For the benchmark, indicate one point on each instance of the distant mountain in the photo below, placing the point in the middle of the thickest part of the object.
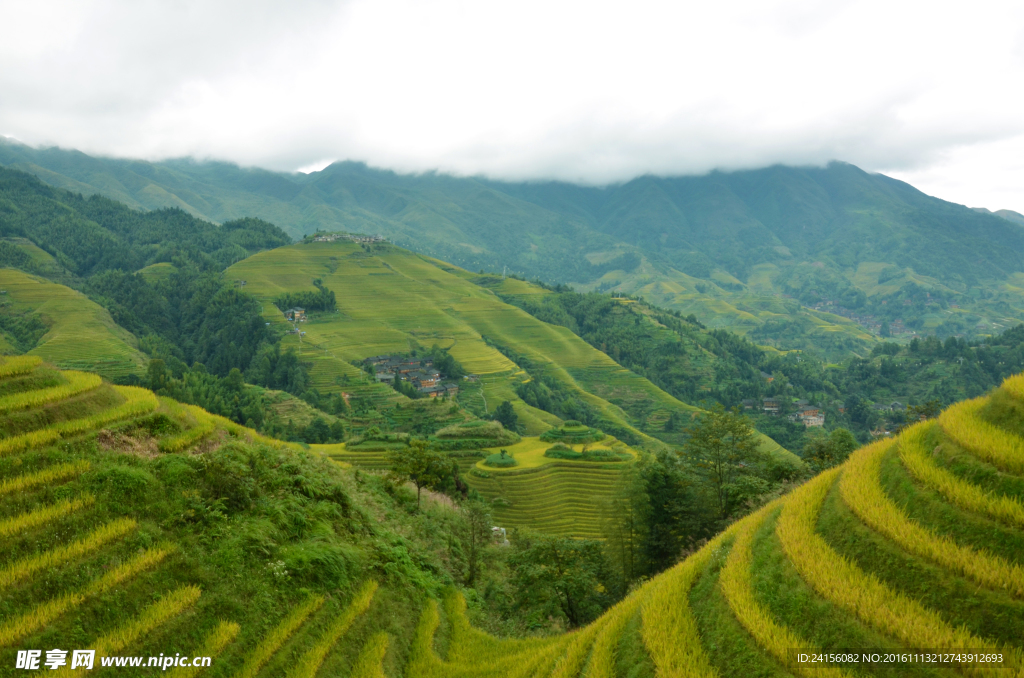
(781, 253)
(1009, 215)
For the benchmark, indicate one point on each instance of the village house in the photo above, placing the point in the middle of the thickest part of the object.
(439, 390)
(331, 237)
(771, 405)
(810, 416)
(767, 377)
(420, 373)
(296, 315)
(748, 404)
(423, 380)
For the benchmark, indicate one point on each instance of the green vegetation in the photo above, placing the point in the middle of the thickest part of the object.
(572, 433)
(500, 459)
(830, 259)
(700, 366)
(561, 451)
(321, 300)
(326, 558)
(355, 523)
(64, 327)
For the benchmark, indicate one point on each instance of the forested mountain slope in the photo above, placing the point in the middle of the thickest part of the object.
(826, 258)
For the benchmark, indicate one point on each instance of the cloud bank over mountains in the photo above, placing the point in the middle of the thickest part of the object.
(589, 92)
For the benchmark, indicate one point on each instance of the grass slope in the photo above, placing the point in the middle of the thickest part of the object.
(81, 334)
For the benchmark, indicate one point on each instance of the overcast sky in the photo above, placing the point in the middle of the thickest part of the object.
(582, 91)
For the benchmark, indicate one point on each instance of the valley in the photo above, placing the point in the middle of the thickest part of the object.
(180, 400)
(871, 546)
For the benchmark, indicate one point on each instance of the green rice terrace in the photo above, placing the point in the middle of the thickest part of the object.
(427, 302)
(75, 332)
(111, 494)
(529, 488)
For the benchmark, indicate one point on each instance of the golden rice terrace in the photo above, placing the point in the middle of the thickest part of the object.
(912, 547)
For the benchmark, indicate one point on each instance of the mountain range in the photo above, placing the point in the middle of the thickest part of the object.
(826, 258)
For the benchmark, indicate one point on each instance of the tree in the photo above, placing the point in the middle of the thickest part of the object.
(928, 410)
(624, 525)
(421, 464)
(566, 574)
(318, 431)
(157, 374)
(826, 451)
(722, 446)
(507, 416)
(476, 534)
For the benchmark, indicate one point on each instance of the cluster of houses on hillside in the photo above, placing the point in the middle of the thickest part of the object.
(351, 237)
(813, 415)
(807, 414)
(420, 373)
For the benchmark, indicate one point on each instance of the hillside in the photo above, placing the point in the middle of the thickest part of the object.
(64, 327)
(699, 365)
(391, 300)
(814, 258)
(913, 543)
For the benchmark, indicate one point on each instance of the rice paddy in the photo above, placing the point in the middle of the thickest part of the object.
(391, 301)
(70, 558)
(876, 605)
(836, 537)
(81, 335)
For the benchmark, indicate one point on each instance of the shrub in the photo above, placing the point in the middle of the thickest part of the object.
(572, 435)
(500, 460)
(564, 452)
(479, 429)
(123, 482)
(320, 562)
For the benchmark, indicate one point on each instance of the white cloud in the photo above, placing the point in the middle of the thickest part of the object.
(583, 91)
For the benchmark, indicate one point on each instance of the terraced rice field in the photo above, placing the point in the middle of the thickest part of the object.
(72, 572)
(390, 300)
(82, 335)
(564, 498)
(555, 496)
(914, 544)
